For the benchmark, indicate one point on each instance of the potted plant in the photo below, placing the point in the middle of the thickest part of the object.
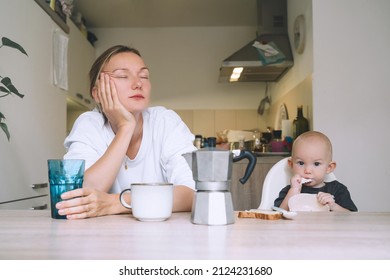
(6, 86)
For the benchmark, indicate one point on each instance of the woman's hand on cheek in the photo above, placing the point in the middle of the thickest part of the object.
(114, 110)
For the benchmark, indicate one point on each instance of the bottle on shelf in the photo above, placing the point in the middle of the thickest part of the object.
(300, 124)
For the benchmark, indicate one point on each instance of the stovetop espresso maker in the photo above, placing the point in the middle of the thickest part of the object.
(212, 172)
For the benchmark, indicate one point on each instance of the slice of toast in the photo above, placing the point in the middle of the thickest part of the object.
(260, 214)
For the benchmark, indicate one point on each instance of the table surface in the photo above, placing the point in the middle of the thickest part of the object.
(32, 234)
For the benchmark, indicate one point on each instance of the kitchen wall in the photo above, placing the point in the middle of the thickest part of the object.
(351, 93)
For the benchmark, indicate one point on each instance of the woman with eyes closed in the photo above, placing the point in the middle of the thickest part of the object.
(311, 160)
(125, 141)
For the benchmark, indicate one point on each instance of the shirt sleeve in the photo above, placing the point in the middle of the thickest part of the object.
(282, 195)
(86, 140)
(342, 196)
(177, 140)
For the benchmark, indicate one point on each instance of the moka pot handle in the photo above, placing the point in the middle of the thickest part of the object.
(251, 165)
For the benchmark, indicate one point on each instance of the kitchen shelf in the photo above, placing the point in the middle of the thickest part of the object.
(54, 16)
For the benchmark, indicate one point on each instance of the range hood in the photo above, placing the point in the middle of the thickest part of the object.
(272, 28)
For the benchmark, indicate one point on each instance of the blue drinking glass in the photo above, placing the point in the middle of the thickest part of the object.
(64, 175)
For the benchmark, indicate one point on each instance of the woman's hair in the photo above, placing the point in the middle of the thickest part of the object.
(99, 63)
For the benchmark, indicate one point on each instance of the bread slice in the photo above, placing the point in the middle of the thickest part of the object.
(260, 214)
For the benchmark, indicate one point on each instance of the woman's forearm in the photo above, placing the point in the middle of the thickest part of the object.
(102, 174)
(182, 199)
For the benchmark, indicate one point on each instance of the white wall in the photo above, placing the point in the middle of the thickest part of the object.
(36, 122)
(351, 93)
(185, 62)
(303, 63)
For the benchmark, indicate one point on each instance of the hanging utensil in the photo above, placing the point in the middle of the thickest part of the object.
(264, 102)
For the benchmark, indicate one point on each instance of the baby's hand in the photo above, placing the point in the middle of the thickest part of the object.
(296, 182)
(326, 198)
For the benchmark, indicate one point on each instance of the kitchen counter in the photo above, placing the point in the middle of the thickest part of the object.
(28, 234)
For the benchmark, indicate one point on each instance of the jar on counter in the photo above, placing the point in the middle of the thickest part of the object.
(277, 143)
(212, 141)
(198, 141)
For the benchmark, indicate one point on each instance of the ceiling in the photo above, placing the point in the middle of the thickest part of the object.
(166, 13)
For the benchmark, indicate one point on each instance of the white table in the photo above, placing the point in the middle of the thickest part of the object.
(34, 235)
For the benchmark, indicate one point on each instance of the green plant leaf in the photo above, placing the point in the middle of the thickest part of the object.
(4, 126)
(3, 89)
(9, 43)
(8, 84)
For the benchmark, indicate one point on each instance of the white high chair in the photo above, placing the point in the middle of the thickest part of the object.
(277, 178)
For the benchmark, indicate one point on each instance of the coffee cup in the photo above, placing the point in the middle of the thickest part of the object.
(150, 202)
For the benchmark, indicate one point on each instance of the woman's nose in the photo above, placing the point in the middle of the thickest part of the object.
(136, 83)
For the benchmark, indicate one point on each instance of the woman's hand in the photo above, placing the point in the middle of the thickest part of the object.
(107, 95)
(88, 202)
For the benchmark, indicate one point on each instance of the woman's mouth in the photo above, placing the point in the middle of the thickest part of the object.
(137, 96)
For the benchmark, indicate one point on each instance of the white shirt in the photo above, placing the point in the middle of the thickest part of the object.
(165, 139)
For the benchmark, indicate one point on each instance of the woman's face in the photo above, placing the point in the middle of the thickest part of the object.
(131, 79)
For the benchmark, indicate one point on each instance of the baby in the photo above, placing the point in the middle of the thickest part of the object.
(311, 160)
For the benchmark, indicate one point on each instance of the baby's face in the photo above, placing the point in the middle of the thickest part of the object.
(311, 160)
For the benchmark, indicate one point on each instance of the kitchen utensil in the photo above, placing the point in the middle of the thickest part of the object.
(212, 171)
(286, 214)
(304, 180)
(265, 102)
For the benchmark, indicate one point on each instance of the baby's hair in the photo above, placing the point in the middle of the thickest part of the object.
(314, 135)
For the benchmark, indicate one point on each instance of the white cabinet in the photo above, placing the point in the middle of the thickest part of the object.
(36, 203)
(81, 55)
(37, 122)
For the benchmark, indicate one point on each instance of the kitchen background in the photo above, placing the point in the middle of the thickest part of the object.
(341, 79)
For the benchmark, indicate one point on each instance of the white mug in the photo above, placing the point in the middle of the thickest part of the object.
(150, 201)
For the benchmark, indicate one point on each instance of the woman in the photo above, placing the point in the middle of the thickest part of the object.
(124, 140)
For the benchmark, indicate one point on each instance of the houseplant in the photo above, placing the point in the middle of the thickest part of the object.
(6, 86)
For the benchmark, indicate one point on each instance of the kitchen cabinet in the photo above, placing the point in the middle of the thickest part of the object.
(248, 196)
(36, 203)
(36, 122)
(81, 55)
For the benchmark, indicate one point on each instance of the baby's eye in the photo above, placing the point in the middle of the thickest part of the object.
(317, 163)
(300, 163)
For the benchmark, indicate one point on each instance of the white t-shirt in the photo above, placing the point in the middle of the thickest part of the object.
(165, 139)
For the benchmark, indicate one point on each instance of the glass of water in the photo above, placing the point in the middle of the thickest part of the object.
(64, 175)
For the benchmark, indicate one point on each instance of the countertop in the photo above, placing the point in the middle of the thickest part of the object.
(28, 234)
